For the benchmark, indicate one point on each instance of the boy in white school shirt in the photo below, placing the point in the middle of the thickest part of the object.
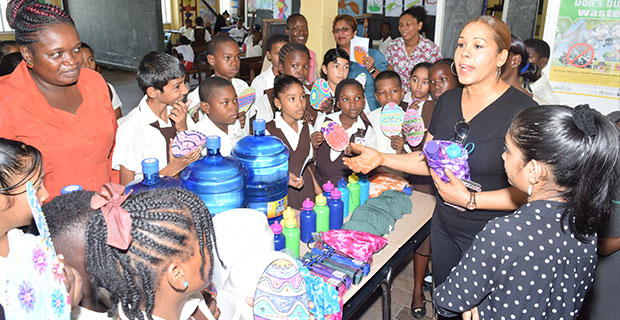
(218, 101)
(223, 55)
(147, 131)
(266, 78)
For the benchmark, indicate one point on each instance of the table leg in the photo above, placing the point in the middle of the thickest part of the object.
(386, 295)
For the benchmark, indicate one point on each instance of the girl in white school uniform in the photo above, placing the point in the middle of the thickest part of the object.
(289, 126)
(350, 100)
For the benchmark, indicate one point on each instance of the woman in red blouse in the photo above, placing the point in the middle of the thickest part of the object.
(49, 102)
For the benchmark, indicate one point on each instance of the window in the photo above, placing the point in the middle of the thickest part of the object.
(4, 27)
(166, 15)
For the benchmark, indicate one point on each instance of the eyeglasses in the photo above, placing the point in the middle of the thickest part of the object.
(461, 131)
(345, 30)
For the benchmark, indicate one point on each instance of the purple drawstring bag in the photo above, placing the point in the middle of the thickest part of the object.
(442, 154)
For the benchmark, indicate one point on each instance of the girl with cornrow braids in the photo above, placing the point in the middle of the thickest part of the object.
(158, 262)
(52, 104)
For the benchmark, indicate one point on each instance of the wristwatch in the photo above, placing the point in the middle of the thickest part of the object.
(471, 205)
(373, 71)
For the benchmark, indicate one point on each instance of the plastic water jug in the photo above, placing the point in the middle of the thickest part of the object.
(266, 160)
(218, 181)
(151, 178)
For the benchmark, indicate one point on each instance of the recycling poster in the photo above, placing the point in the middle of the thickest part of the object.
(585, 56)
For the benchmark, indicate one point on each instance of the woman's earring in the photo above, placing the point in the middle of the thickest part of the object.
(498, 73)
(453, 69)
(29, 64)
(529, 191)
(185, 284)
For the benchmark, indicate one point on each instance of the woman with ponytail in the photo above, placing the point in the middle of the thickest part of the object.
(517, 71)
(53, 104)
(539, 262)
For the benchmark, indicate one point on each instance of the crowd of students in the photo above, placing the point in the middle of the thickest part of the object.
(59, 126)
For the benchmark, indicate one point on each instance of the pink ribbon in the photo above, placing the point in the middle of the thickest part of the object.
(117, 219)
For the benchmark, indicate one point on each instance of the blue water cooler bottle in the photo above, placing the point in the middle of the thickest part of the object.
(151, 178)
(266, 160)
(218, 181)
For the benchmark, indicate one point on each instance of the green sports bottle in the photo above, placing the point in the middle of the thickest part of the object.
(322, 213)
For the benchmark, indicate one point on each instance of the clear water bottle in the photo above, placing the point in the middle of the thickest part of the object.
(266, 160)
(151, 178)
(218, 181)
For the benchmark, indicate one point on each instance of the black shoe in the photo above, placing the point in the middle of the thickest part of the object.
(419, 312)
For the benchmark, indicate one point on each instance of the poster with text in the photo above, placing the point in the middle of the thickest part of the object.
(585, 58)
(374, 6)
(350, 7)
(281, 9)
(393, 8)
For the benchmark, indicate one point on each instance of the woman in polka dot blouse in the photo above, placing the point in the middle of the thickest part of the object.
(539, 262)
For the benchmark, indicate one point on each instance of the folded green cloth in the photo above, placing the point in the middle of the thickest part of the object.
(378, 215)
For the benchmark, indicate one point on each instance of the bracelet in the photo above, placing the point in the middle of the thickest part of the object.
(373, 71)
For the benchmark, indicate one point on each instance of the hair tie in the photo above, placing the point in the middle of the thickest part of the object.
(583, 116)
(117, 219)
(527, 65)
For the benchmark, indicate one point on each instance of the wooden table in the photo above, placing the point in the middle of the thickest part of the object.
(407, 235)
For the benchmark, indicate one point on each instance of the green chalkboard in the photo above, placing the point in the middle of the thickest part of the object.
(120, 32)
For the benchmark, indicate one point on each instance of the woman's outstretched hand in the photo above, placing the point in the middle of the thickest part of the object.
(367, 159)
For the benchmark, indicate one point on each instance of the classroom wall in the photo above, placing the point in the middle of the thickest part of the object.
(320, 14)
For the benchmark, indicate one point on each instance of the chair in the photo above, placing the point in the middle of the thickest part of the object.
(200, 61)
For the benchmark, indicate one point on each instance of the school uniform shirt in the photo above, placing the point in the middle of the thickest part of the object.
(420, 103)
(238, 34)
(543, 92)
(264, 107)
(227, 140)
(137, 139)
(192, 35)
(384, 43)
(300, 154)
(252, 50)
(186, 51)
(76, 148)
(355, 69)
(186, 31)
(403, 63)
(239, 86)
(328, 161)
(263, 82)
(527, 265)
